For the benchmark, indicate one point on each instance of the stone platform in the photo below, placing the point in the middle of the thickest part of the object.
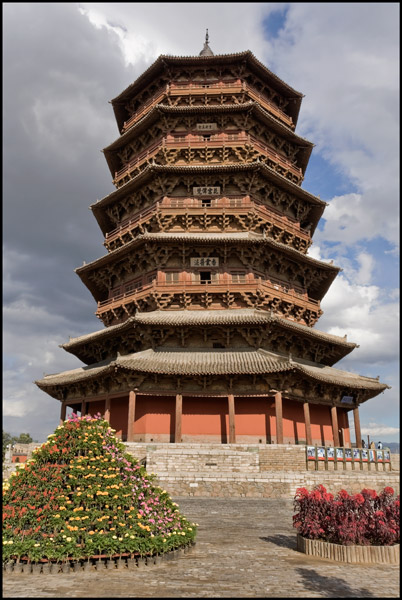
(252, 471)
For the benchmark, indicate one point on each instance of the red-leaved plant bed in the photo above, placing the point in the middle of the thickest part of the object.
(364, 519)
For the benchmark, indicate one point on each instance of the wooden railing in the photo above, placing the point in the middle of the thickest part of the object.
(275, 286)
(213, 141)
(197, 89)
(232, 205)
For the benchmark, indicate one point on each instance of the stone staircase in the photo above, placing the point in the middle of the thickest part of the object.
(198, 458)
(242, 470)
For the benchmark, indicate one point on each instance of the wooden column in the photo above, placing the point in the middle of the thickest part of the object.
(278, 417)
(131, 415)
(83, 407)
(179, 412)
(358, 432)
(306, 408)
(334, 420)
(63, 410)
(107, 409)
(232, 430)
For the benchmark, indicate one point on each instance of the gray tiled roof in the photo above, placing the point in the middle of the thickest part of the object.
(178, 361)
(177, 318)
(214, 238)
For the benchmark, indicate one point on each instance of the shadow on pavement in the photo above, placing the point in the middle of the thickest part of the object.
(331, 587)
(285, 541)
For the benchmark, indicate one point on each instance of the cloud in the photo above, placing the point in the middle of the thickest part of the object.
(60, 71)
(375, 430)
(347, 64)
(155, 28)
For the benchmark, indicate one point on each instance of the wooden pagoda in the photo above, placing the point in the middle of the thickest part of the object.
(207, 293)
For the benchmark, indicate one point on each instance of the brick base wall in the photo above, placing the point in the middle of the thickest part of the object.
(254, 471)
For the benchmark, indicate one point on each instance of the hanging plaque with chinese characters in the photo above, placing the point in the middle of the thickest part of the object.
(209, 261)
(206, 126)
(207, 190)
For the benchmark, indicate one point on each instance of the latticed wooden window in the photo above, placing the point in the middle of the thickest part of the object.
(172, 277)
(133, 285)
(238, 277)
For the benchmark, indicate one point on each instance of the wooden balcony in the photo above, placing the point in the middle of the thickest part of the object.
(272, 287)
(192, 141)
(231, 205)
(208, 89)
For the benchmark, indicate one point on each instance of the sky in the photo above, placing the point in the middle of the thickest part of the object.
(64, 62)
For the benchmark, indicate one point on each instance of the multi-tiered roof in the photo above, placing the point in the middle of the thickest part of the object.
(207, 284)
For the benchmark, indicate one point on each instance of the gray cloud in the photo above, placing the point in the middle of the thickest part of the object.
(60, 71)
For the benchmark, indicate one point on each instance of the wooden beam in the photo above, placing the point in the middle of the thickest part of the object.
(278, 417)
(107, 409)
(63, 410)
(358, 432)
(334, 420)
(83, 407)
(131, 415)
(232, 430)
(179, 412)
(306, 408)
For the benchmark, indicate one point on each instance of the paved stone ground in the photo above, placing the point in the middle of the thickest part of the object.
(246, 548)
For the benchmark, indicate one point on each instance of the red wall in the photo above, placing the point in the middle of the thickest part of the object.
(207, 419)
(98, 406)
(206, 416)
(155, 415)
(119, 416)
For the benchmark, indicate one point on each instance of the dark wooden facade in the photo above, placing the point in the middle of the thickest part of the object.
(207, 291)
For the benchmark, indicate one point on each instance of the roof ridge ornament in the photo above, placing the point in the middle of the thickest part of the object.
(206, 51)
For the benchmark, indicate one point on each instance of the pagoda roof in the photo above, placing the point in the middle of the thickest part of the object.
(98, 208)
(202, 318)
(203, 362)
(251, 106)
(165, 61)
(245, 237)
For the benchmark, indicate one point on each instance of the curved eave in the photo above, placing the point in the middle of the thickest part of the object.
(164, 61)
(115, 164)
(212, 238)
(99, 208)
(81, 346)
(197, 362)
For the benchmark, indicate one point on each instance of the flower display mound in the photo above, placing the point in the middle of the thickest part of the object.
(81, 496)
(364, 519)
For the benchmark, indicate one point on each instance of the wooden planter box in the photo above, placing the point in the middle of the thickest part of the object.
(350, 554)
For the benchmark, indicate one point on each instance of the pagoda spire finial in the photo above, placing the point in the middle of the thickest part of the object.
(206, 51)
